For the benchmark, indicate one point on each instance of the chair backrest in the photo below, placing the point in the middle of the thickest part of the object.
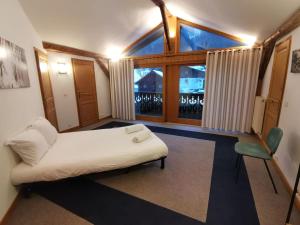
(274, 138)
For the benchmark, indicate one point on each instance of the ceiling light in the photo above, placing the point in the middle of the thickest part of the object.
(247, 39)
(114, 53)
(172, 33)
(3, 53)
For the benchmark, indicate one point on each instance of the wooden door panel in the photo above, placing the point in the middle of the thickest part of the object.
(46, 87)
(277, 84)
(173, 95)
(85, 86)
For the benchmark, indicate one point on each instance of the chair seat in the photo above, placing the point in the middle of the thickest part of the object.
(252, 149)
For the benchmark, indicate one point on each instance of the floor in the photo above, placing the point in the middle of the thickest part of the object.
(271, 208)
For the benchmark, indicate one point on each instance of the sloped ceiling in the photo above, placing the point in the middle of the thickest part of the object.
(96, 25)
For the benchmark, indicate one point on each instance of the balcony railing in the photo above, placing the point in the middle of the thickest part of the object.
(149, 103)
(191, 105)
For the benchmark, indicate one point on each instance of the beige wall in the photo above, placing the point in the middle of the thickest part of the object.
(17, 106)
(64, 91)
(288, 155)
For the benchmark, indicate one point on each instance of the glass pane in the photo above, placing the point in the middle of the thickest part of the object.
(153, 44)
(153, 48)
(191, 91)
(148, 87)
(192, 39)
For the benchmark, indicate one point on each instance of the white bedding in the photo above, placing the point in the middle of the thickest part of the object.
(85, 152)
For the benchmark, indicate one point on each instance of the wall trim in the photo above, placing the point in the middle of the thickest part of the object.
(282, 176)
(70, 129)
(10, 210)
(77, 128)
(101, 60)
(286, 183)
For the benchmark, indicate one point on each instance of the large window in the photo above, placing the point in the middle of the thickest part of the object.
(193, 39)
(191, 91)
(148, 91)
(153, 44)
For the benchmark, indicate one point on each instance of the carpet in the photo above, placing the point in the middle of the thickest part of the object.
(229, 203)
(183, 186)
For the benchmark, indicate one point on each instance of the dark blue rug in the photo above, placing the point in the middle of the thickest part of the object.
(229, 203)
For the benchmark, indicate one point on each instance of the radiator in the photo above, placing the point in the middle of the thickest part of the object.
(258, 115)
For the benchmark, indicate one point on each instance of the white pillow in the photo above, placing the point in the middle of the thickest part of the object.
(46, 129)
(30, 145)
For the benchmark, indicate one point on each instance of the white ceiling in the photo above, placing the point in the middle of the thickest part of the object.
(96, 25)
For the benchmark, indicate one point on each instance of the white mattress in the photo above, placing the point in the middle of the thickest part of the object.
(85, 152)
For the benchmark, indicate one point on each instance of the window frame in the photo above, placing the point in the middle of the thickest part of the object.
(131, 46)
(201, 27)
(163, 116)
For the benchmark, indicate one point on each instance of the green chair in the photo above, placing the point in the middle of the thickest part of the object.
(258, 151)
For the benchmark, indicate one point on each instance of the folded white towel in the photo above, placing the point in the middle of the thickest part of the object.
(134, 128)
(141, 136)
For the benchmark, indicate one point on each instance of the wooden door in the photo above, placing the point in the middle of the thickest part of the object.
(277, 84)
(85, 87)
(184, 94)
(150, 93)
(46, 88)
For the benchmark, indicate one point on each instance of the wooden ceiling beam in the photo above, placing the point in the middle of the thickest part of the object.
(163, 11)
(100, 59)
(269, 43)
(290, 24)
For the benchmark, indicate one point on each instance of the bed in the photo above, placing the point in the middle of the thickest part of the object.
(78, 153)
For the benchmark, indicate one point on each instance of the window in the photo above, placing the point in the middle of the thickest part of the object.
(153, 44)
(193, 39)
(148, 91)
(191, 91)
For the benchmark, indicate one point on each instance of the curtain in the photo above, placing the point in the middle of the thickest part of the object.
(231, 81)
(122, 89)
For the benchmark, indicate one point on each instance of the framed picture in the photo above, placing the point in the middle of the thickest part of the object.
(13, 66)
(296, 61)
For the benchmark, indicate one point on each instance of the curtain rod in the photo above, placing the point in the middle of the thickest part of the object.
(231, 50)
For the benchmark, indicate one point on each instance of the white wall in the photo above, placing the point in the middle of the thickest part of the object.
(288, 155)
(17, 106)
(64, 91)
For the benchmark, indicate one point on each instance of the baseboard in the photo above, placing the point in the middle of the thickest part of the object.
(105, 117)
(282, 177)
(286, 183)
(70, 129)
(8, 214)
(78, 127)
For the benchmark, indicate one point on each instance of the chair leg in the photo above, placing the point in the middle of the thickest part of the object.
(237, 160)
(162, 163)
(239, 168)
(270, 175)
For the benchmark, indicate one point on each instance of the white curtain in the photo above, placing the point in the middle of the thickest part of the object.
(122, 89)
(231, 81)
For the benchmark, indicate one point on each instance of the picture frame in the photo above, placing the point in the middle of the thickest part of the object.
(13, 66)
(295, 68)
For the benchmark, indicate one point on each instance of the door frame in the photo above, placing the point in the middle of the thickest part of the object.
(161, 118)
(173, 105)
(289, 39)
(76, 87)
(40, 54)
